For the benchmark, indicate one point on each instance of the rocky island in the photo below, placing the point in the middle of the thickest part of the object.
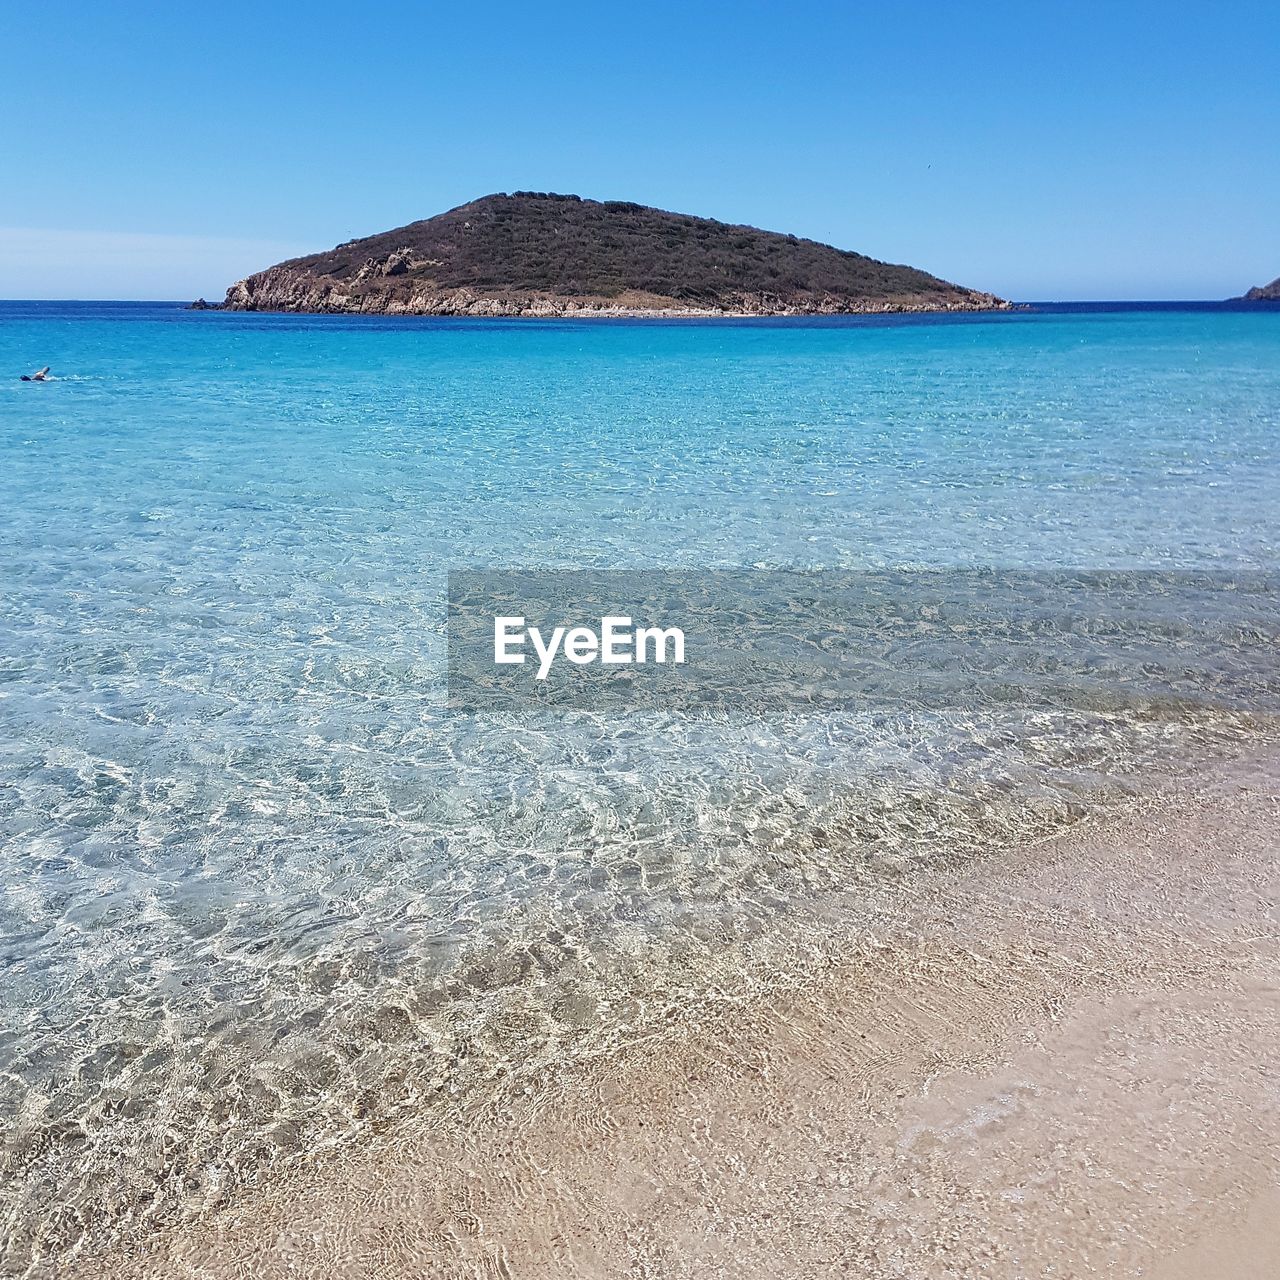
(540, 254)
(1264, 292)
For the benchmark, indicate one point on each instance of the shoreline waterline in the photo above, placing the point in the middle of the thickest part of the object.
(449, 1044)
(1083, 996)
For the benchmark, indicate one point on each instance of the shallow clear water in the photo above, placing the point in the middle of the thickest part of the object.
(258, 891)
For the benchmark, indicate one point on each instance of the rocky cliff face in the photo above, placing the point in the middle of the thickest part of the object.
(1264, 292)
(545, 255)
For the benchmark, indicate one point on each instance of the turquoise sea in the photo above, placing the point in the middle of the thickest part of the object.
(260, 893)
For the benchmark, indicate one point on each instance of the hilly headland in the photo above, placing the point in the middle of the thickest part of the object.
(541, 254)
(1264, 292)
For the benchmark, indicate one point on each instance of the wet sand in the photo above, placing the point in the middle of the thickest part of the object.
(1063, 1065)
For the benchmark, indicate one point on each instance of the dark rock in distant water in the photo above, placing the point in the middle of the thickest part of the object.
(201, 305)
(1264, 292)
(536, 254)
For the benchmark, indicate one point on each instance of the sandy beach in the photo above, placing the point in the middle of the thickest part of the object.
(1064, 1066)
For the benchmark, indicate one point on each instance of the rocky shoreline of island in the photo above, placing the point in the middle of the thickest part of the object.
(283, 291)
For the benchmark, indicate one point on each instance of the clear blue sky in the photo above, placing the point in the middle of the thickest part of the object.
(1067, 150)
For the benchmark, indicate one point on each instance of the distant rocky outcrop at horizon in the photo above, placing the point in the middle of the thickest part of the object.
(1263, 292)
(541, 254)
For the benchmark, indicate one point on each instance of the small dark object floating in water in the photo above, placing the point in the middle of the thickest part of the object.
(40, 375)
